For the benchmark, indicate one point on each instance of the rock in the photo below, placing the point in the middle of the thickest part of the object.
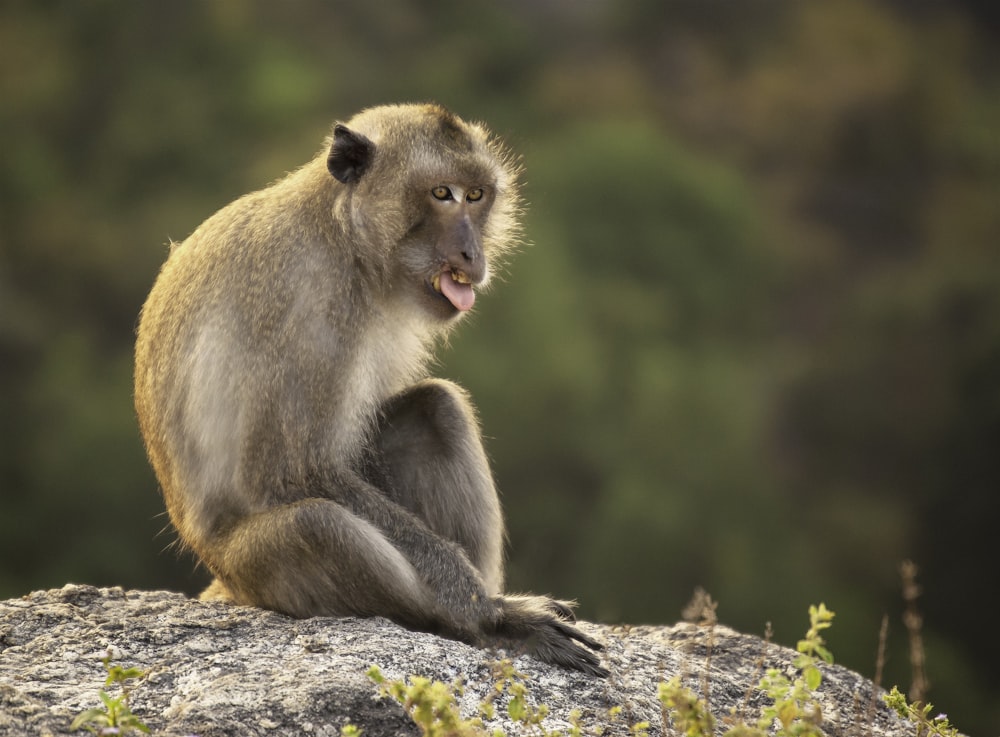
(216, 669)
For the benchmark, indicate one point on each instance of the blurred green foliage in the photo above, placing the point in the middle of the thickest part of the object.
(754, 346)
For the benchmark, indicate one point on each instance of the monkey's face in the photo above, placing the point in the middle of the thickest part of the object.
(442, 258)
(432, 192)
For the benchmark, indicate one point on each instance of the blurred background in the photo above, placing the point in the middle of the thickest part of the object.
(755, 345)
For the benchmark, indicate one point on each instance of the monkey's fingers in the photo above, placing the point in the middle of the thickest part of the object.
(557, 646)
(528, 622)
(562, 609)
(574, 634)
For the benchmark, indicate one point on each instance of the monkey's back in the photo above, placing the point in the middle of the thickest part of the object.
(245, 347)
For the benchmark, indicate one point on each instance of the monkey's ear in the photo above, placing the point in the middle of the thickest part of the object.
(350, 154)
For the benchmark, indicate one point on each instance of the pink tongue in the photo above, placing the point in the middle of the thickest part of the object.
(460, 295)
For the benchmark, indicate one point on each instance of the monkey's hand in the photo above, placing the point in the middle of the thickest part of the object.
(540, 626)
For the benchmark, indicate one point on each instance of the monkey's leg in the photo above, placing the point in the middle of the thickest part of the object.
(430, 449)
(315, 557)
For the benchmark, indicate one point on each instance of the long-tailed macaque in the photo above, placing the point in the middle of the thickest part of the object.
(281, 388)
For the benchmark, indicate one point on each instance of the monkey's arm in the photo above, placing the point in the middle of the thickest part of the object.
(428, 457)
(465, 609)
(462, 603)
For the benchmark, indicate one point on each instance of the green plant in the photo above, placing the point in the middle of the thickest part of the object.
(920, 715)
(114, 717)
(689, 714)
(639, 729)
(431, 705)
(511, 681)
(793, 706)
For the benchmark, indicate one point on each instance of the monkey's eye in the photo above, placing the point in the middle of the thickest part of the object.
(441, 193)
(474, 195)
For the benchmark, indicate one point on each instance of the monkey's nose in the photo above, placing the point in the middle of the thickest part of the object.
(467, 270)
(469, 247)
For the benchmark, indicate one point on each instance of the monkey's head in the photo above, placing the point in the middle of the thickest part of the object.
(430, 195)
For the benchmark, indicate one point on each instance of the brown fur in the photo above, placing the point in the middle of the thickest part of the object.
(281, 388)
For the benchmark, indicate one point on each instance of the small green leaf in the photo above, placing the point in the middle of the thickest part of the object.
(131, 721)
(96, 714)
(516, 709)
(787, 711)
(825, 654)
(639, 728)
(813, 677)
(897, 702)
(109, 702)
(487, 710)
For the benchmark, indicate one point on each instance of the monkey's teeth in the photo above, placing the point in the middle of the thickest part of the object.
(458, 277)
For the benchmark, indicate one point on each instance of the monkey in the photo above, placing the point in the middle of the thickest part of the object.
(304, 454)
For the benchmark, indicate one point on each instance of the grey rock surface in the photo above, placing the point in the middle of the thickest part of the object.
(215, 669)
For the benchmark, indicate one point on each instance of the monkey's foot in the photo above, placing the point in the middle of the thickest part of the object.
(217, 591)
(562, 650)
(539, 626)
